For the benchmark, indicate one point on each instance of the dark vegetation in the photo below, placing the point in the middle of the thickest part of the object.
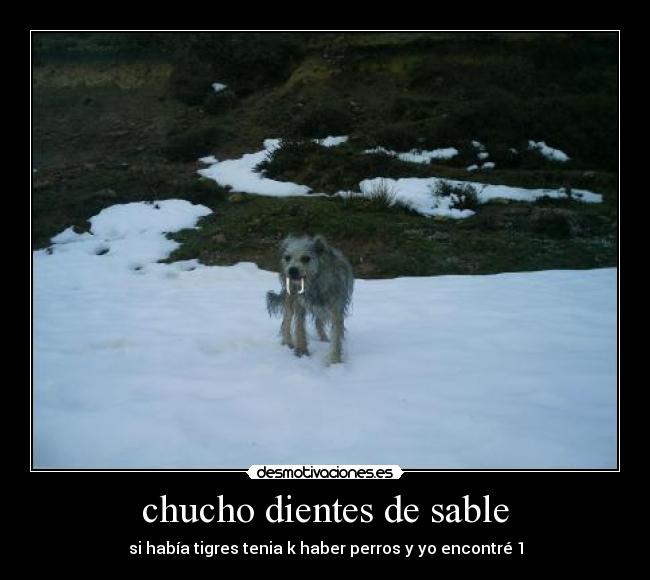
(122, 117)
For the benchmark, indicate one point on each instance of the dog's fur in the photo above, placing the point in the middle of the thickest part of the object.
(327, 279)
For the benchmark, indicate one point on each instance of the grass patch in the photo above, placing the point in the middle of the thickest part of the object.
(189, 145)
(385, 244)
(70, 198)
(332, 169)
(320, 121)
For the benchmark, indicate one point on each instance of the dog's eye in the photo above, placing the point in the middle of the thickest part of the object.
(287, 258)
(305, 259)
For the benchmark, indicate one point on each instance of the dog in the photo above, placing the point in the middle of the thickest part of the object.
(316, 278)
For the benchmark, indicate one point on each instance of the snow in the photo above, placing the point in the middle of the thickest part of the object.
(548, 152)
(332, 141)
(218, 87)
(381, 150)
(478, 145)
(139, 364)
(483, 155)
(69, 235)
(239, 174)
(418, 155)
(421, 156)
(417, 191)
(209, 160)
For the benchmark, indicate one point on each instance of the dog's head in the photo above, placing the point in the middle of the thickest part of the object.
(299, 261)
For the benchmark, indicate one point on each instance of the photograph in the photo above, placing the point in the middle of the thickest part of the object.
(325, 248)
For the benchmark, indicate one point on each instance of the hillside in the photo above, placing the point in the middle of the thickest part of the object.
(124, 117)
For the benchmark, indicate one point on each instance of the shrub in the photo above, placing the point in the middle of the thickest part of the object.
(191, 144)
(382, 194)
(555, 222)
(463, 196)
(321, 121)
(397, 137)
(290, 156)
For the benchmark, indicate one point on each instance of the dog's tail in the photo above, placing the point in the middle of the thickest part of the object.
(274, 303)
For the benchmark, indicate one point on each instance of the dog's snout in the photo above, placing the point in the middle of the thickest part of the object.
(294, 272)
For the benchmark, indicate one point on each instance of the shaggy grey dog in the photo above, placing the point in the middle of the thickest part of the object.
(316, 279)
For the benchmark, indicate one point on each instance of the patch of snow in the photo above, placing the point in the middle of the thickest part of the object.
(332, 141)
(417, 192)
(472, 167)
(548, 152)
(69, 235)
(488, 165)
(218, 87)
(418, 155)
(239, 174)
(422, 156)
(478, 145)
(483, 155)
(209, 160)
(139, 364)
(381, 150)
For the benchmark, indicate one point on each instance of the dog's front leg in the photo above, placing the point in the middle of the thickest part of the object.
(285, 329)
(338, 330)
(320, 328)
(301, 332)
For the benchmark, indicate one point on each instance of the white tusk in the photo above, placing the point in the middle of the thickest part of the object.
(302, 286)
(288, 282)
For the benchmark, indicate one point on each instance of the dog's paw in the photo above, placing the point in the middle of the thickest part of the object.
(301, 351)
(288, 343)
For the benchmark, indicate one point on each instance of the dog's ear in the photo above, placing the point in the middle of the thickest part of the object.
(320, 245)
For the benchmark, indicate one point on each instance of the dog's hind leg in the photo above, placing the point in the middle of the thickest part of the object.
(320, 328)
(301, 332)
(285, 329)
(338, 330)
